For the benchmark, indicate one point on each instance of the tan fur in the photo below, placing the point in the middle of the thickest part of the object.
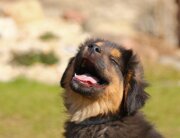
(81, 108)
(115, 53)
(127, 85)
(99, 43)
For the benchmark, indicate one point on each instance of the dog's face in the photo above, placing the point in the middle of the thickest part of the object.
(95, 68)
(99, 78)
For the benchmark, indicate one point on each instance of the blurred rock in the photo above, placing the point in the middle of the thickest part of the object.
(22, 23)
(69, 36)
(145, 52)
(75, 16)
(65, 31)
(23, 11)
(170, 61)
(177, 53)
(112, 27)
(112, 18)
(5, 55)
(45, 74)
(159, 18)
(8, 28)
(7, 73)
(153, 17)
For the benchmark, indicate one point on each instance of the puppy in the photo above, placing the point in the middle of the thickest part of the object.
(104, 89)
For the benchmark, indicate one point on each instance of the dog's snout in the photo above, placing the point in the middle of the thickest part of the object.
(94, 48)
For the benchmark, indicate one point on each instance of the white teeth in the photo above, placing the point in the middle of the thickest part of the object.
(75, 75)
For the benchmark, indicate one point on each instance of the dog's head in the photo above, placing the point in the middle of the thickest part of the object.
(103, 78)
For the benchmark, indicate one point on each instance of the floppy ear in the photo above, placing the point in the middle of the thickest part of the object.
(134, 85)
(62, 82)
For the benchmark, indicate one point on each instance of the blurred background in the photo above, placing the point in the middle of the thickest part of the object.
(37, 38)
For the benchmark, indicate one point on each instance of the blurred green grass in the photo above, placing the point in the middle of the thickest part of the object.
(163, 108)
(31, 109)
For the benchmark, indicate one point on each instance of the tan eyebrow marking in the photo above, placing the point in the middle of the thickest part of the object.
(99, 43)
(115, 53)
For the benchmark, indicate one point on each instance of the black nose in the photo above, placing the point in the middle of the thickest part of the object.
(94, 48)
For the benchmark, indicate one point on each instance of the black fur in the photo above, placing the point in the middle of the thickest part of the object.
(136, 96)
(127, 127)
(62, 83)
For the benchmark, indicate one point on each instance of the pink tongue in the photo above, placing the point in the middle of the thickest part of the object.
(86, 79)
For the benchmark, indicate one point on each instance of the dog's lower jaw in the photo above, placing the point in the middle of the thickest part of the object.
(81, 108)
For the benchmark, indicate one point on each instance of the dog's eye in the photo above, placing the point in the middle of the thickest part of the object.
(113, 60)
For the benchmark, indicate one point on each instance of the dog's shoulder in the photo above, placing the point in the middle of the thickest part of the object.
(129, 127)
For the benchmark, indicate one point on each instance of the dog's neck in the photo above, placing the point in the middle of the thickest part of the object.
(100, 119)
(81, 108)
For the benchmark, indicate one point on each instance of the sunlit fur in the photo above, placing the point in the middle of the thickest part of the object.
(115, 53)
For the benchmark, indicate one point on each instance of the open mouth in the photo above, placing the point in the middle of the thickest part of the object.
(88, 75)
